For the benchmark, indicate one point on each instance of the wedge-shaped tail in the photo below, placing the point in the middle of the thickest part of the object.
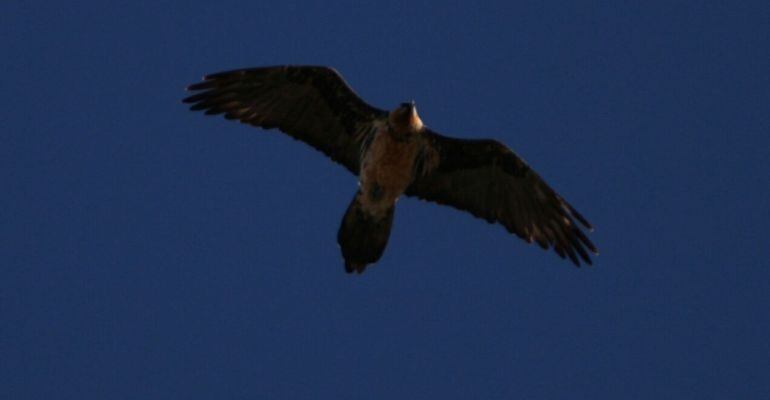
(363, 236)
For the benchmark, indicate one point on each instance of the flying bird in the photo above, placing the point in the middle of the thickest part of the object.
(393, 154)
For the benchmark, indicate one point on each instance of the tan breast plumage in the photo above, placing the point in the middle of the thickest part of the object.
(387, 167)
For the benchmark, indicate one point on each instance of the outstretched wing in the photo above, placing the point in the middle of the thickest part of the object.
(312, 104)
(485, 178)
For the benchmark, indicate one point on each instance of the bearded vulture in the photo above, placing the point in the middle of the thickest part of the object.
(393, 153)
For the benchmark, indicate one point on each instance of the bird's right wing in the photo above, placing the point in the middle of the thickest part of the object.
(311, 104)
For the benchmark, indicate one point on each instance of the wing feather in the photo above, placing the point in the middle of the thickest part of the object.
(311, 104)
(488, 180)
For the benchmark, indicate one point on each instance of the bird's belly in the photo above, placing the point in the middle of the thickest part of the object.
(387, 170)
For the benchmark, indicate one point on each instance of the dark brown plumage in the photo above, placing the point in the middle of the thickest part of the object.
(311, 104)
(482, 177)
(490, 181)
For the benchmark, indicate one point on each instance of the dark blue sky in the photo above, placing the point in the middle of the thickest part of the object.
(148, 252)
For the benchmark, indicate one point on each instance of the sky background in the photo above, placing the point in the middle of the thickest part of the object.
(148, 252)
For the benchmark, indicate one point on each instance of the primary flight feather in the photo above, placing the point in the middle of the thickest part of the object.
(394, 153)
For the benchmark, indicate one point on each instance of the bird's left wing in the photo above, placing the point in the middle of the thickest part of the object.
(311, 104)
(485, 178)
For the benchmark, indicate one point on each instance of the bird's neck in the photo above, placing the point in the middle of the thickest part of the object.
(406, 127)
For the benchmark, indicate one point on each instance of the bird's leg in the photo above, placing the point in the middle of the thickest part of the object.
(375, 192)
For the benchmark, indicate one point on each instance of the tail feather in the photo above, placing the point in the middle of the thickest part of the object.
(363, 236)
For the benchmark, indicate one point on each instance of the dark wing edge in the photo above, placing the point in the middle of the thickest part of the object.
(488, 180)
(313, 104)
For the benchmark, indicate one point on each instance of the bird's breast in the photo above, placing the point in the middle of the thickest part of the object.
(387, 167)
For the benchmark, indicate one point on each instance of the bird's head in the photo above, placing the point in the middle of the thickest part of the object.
(405, 118)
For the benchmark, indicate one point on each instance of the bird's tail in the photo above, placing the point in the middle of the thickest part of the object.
(363, 234)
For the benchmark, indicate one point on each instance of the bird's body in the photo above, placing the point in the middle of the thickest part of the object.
(387, 165)
(393, 154)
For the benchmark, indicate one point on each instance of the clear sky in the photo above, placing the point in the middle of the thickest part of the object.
(148, 252)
